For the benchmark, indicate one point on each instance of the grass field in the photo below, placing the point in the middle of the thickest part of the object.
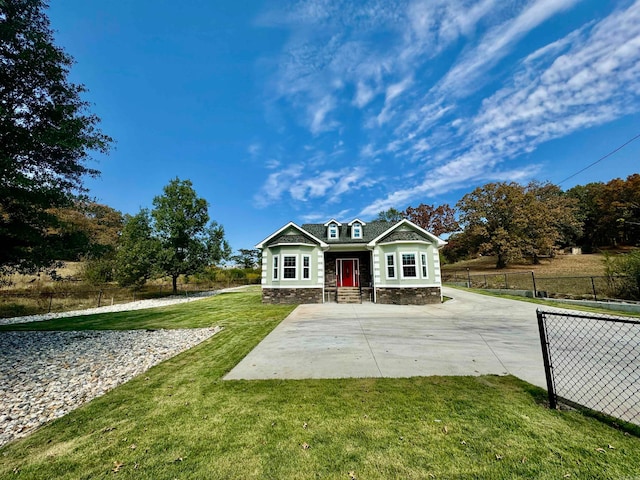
(559, 266)
(181, 420)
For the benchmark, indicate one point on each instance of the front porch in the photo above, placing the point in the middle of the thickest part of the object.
(348, 277)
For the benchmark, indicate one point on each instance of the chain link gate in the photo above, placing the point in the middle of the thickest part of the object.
(593, 361)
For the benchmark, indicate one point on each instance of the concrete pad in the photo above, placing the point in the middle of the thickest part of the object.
(469, 335)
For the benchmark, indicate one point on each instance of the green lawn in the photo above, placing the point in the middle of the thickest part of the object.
(181, 420)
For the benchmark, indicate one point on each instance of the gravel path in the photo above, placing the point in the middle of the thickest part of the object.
(45, 375)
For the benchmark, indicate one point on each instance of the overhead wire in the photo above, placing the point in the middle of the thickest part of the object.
(601, 158)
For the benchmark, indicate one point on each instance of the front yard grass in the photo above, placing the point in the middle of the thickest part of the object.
(181, 420)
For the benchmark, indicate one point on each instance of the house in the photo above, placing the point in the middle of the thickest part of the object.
(382, 262)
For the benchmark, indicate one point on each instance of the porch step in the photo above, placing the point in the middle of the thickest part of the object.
(348, 295)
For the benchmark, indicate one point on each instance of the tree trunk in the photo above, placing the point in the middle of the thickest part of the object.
(501, 262)
(174, 280)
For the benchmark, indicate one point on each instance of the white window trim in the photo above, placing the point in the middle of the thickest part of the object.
(302, 267)
(386, 266)
(333, 228)
(356, 227)
(424, 265)
(275, 268)
(415, 265)
(295, 277)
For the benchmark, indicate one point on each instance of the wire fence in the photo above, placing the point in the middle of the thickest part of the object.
(576, 287)
(593, 361)
(67, 296)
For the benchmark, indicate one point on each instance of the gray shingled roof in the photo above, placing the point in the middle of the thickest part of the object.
(402, 236)
(370, 231)
(291, 239)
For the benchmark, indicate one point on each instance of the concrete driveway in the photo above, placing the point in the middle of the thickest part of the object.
(469, 335)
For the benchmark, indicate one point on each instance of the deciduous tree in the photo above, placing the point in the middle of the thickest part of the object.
(46, 135)
(437, 220)
(390, 215)
(512, 221)
(138, 251)
(188, 242)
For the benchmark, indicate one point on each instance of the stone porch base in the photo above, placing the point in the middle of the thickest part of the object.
(291, 295)
(409, 296)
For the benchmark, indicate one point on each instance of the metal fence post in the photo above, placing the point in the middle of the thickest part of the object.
(535, 290)
(506, 282)
(50, 302)
(593, 285)
(553, 403)
(99, 297)
(468, 278)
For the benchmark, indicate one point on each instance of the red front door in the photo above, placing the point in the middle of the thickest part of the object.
(347, 273)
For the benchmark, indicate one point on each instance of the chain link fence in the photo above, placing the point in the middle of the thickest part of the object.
(75, 297)
(593, 361)
(575, 287)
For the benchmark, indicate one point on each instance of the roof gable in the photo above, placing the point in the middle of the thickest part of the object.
(369, 231)
(284, 235)
(400, 232)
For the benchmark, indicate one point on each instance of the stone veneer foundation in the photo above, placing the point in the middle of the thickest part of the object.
(409, 296)
(291, 295)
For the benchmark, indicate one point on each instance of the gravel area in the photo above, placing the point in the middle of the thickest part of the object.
(45, 375)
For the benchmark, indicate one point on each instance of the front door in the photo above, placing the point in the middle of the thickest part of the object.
(347, 273)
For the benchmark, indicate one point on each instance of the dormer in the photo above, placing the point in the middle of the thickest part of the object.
(333, 229)
(356, 228)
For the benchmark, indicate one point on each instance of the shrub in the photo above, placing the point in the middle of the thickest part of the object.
(627, 267)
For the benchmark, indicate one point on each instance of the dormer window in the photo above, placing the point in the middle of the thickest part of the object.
(356, 228)
(332, 229)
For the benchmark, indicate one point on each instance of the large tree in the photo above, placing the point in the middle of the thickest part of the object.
(390, 215)
(513, 221)
(138, 251)
(189, 242)
(46, 135)
(437, 220)
(247, 258)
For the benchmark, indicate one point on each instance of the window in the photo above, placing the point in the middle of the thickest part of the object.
(391, 267)
(409, 265)
(333, 231)
(289, 266)
(423, 261)
(306, 267)
(275, 267)
(356, 231)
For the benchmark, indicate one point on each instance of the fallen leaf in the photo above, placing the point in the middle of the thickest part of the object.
(179, 459)
(566, 475)
(524, 459)
(135, 466)
(462, 442)
(352, 476)
(133, 446)
(117, 466)
(601, 450)
(498, 457)
(304, 425)
(612, 447)
(306, 446)
(16, 470)
(445, 430)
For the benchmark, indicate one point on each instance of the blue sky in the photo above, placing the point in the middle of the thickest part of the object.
(302, 111)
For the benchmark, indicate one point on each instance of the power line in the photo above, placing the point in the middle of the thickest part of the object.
(601, 158)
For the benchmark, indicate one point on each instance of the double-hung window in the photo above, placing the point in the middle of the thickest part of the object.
(391, 265)
(306, 267)
(409, 265)
(276, 266)
(423, 264)
(289, 266)
(333, 231)
(356, 231)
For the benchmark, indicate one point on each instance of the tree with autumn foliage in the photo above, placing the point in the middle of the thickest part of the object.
(437, 220)
(513, 221)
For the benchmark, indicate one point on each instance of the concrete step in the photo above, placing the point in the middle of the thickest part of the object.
(348, 295)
